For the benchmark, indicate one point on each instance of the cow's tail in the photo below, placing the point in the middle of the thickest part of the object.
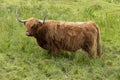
(99, 50)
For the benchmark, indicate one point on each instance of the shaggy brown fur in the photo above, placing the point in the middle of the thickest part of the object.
(70, 36)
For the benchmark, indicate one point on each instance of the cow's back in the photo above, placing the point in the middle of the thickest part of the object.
(67, 36)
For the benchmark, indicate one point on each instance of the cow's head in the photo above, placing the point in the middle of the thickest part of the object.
(31, 24)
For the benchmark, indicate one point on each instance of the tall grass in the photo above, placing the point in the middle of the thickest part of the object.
(22, 59)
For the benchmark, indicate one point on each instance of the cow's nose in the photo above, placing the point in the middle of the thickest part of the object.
(27, 33)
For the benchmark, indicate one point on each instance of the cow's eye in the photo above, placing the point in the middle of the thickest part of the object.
(32, 27)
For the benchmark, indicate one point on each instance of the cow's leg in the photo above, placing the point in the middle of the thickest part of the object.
(56, 53)
(99, 53)
(89, 48)
(91, 52)
(49, 51)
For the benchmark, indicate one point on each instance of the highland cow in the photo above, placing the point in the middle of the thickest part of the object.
(55, 36)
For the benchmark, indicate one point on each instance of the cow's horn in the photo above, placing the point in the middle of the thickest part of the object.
(44, 19)
(22, 21)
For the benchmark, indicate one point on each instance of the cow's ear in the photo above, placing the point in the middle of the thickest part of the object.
(25, 22)
(40, 22)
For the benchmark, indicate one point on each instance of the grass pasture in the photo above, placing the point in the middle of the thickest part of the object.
(22, 59)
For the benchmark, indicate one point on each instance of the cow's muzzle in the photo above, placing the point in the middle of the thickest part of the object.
(28, 34)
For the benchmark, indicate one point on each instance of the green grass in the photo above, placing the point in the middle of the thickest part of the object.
(22, 59)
